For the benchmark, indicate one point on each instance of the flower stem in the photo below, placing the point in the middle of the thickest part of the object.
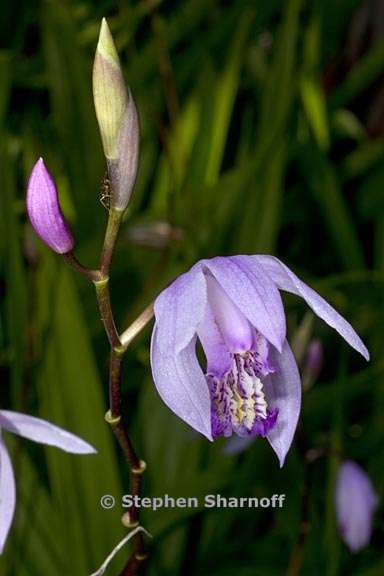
(113, 226)
(137, 326)
(93, 275)
(118, 347)
(105, 308)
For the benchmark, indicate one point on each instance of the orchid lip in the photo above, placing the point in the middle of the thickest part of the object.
(238, 400)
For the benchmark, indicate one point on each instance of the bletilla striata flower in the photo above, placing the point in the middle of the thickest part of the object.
(39, 431)
(356, 502)
(44, 210)
(233, 308)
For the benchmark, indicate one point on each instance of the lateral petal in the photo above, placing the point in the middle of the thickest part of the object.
(43, 432)
(286, 280)
(179, 309)
(283, 391)
(182, 385)
(7, 494)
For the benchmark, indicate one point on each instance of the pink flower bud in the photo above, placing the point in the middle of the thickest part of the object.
(44, 210)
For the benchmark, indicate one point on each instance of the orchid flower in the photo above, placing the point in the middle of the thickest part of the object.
(39, 431)
(356, 502)
(251, 383)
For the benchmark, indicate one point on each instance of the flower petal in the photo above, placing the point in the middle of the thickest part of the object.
(182, 385)
(179, 309)
(286, 280)
(43, 432)
(216, 352)
(235, 329)
(7, 494)
(283, 391)
(253, 292)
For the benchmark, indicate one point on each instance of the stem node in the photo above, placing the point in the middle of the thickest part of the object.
(141, 469)
(112, 420)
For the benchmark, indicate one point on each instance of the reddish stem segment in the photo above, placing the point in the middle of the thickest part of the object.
(119, 346)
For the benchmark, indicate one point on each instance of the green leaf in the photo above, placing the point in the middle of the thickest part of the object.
(315, 109)
(71, 396)
(362, 75)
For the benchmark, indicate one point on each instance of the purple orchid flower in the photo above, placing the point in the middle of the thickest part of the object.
(44, 210)
(39, 431)
(251, 384)
(356, 502)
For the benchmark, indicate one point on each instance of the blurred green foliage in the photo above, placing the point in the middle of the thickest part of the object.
(262, 131)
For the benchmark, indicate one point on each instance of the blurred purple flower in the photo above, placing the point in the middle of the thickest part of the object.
(44, 210)
(356, 502)
(237, 444)
(39, 431)
(252, 384)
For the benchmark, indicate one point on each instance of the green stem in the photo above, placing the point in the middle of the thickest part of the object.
(119, 346)
(113, 226)
(105, 308)
(93, 275)
(332, 540)
(137, 326)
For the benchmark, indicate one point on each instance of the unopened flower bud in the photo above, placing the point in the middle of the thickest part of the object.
(44, 210)
(356, 502)
(117, 117)
(313, 363)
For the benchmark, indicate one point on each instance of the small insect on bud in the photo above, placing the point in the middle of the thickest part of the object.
(44, 210)
(117, 117)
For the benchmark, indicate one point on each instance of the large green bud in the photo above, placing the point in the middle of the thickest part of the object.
(117, 117)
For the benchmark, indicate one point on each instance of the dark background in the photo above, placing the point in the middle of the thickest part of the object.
(262, 132)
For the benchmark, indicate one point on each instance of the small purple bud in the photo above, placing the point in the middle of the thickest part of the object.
(313, 363)
(44, 210)
(356, 502)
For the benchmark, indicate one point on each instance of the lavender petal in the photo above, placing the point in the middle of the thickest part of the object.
(253, 292)
(286, 280)
(43, 432)
(217, 354)
(283, 392)
(182, 385)
(7, 494)
(179, 309)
